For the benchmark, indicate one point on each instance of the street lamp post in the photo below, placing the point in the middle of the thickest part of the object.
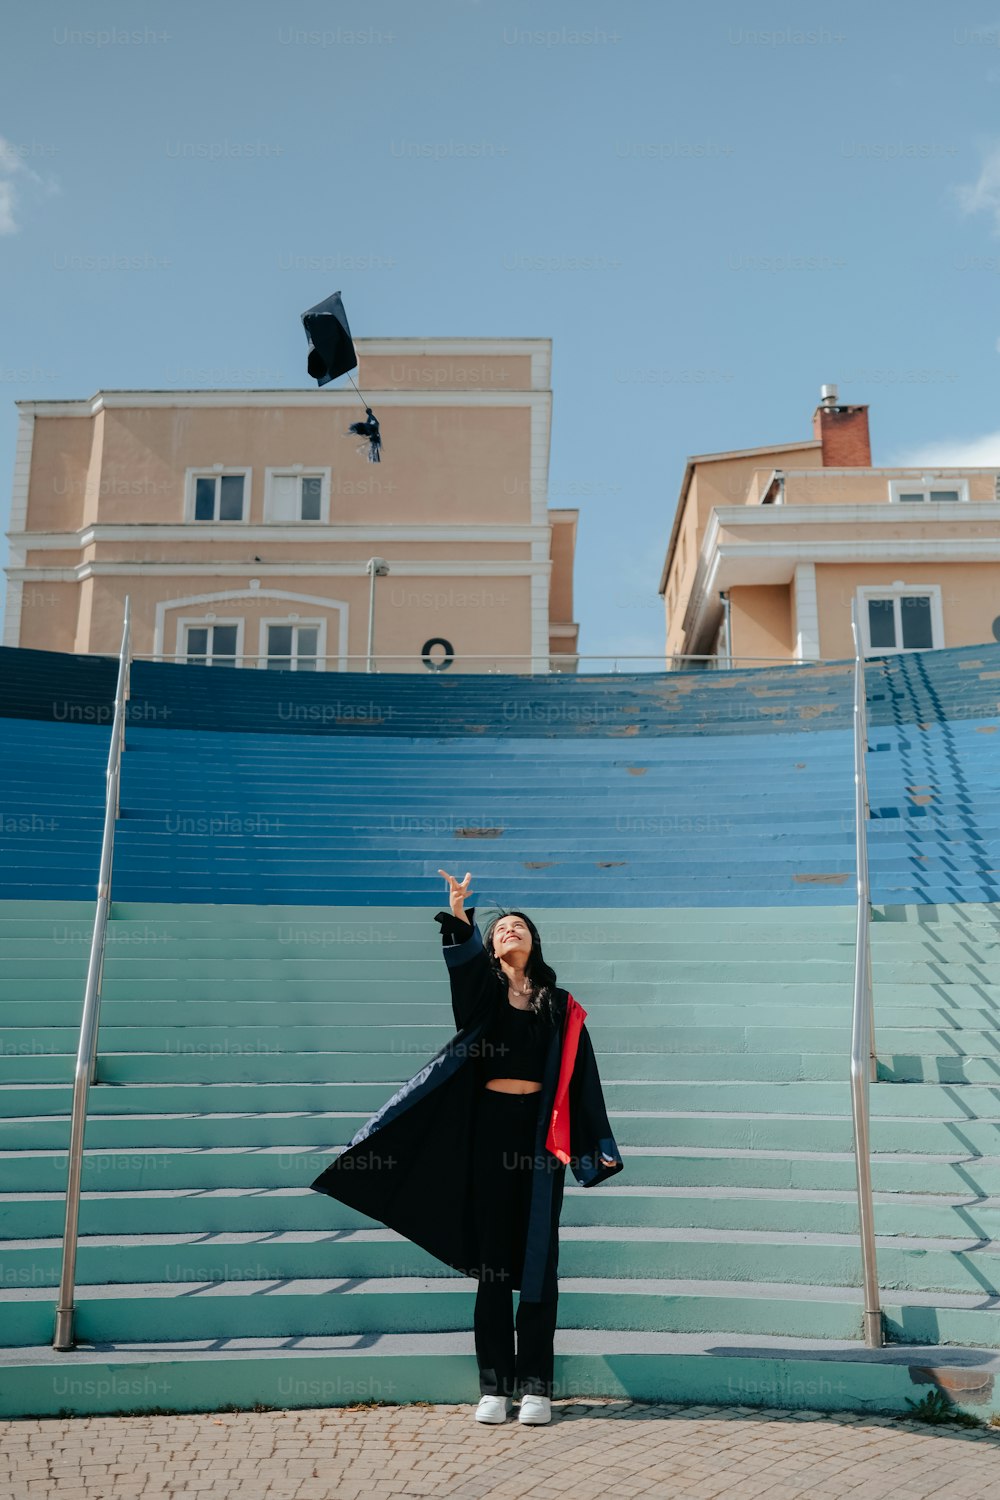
(377, 568)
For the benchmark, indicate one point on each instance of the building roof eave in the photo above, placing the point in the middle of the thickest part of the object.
(705, 458)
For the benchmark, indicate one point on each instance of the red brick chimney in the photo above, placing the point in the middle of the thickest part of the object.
(843, 431)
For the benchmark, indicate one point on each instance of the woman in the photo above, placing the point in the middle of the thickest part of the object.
(471, 1152)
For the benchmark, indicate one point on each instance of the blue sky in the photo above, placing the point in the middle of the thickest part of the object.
(710, 209)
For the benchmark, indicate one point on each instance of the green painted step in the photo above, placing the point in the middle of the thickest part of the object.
(401, 1036)
(439, 1368)
(598, 959)
(143, 958)
(915, 1100)
(257, 917)
(373, 930)
(248, 980)
(667, 989)
(34, 1072)
(723, 1039)
(766, 1132)
(425, 1000)
(225, 1211)
(604, 1253)
(643, 1030)
(715, 1023)
(925, 1264)
(428, 1305)
(983, 918)
(922, 921)
(381, 1306)
(924, 1100)
(158, 1169)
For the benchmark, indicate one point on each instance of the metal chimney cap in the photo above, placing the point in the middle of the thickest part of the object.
(828, 395)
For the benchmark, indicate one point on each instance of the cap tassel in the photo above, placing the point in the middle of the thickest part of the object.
(369, 429)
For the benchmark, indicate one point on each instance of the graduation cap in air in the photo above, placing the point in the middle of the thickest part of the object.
(331, 354)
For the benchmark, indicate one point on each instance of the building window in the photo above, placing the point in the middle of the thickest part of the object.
(212, 644)
(296, 495)
(909, 491)
(292, 646)
(901, 619)
(217, 495)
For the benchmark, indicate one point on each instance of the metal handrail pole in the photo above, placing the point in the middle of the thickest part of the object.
(872, 1051)
(125, 681)
(98, 938)
(862, 1028)
(114, 782)
(866, 815)
(86, 1055)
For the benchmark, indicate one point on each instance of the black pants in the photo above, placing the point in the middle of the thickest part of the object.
(504, 1153)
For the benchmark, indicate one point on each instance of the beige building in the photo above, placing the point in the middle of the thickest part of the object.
(770, 545)
(242, 523)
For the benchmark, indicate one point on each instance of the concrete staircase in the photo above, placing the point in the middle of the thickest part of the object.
(341, 820)
(273, 974)
(680, 815)
(241, 1046)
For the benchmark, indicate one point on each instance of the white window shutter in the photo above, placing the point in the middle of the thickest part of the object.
(284, 497)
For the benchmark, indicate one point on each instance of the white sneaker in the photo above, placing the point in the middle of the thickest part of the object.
(493, 1409)
(535, 1410)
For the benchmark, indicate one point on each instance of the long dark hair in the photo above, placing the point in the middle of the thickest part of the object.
(544, 1001)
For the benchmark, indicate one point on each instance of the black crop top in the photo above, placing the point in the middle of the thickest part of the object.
(514, 1045)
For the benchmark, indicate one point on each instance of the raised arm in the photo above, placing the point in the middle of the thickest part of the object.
(473, 983)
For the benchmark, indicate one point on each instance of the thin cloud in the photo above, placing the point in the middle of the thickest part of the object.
(953, 453)
(17, 180)
(983, 195)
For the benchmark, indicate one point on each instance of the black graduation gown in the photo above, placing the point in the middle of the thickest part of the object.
(411, 1165)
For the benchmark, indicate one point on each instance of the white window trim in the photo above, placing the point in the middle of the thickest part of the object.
(338, 608)
(294, 619)
(298, 471)
(894, 590)
(927, 483)
(210, 619)
(216, 471)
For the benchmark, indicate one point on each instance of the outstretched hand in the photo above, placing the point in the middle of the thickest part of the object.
(457, 892)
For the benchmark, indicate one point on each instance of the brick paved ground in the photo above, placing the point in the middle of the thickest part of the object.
(592, 1448)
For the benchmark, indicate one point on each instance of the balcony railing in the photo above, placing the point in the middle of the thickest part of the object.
(543, 664)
